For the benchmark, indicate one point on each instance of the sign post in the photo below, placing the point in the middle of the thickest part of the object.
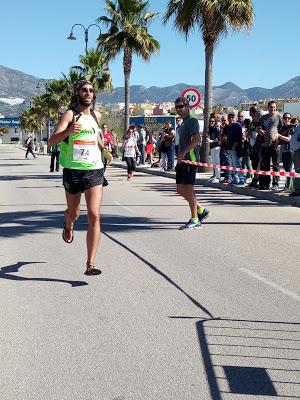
(193, 96)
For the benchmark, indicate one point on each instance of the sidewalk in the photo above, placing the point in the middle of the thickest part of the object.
(202, 179)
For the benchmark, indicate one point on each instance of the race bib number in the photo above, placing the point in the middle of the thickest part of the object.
(85, 151)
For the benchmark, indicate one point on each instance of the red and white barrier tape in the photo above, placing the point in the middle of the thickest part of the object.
(250, 171)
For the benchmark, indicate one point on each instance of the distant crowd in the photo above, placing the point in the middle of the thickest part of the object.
(258, 142)
(263, 141)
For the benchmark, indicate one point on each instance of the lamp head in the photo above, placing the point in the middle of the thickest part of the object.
(72, 37)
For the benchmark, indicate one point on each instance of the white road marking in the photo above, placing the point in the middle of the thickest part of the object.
(126, 208)
(272, 284)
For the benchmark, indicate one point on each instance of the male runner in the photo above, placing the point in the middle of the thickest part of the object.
(189, 138)
(80, 155)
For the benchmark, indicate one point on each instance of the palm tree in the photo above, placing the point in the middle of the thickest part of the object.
(95, 70)
(214, 19)
(128, 34)
(30, 121)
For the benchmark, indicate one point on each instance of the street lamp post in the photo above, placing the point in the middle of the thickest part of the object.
(86, 33)
(38, 89)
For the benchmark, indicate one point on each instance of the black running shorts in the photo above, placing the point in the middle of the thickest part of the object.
(78, 180)
(185, 174)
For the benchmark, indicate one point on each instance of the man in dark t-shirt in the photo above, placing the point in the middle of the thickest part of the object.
(269, 125)
(189, 138)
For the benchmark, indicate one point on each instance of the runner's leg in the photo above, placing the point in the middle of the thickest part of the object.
(72, 212)
(93, 198)
(187, 192)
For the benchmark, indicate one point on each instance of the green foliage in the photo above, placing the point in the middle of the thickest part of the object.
(127, 22)
(4, 130)
(95, 70)
(114, 122)
(214, 19)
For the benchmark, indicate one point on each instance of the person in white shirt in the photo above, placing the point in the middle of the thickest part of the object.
(130, 151)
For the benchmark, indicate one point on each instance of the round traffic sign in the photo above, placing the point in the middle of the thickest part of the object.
(193, 96)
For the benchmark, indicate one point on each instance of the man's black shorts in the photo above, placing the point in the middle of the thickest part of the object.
(77, 180)
(185, 174)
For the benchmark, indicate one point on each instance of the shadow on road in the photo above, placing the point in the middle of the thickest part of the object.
(20, 223)
(27, 176)
(210, 196)
(6, 273)
(159, 272)
(250, 358)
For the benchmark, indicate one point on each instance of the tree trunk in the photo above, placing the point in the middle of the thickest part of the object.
(127, 61)
(208, 97)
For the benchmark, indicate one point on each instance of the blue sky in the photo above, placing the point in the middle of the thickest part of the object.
(34, 41)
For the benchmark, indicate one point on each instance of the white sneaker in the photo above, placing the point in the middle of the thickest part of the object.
(215, 180)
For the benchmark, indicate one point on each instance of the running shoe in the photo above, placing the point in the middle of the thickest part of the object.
(275, 188)
(191, 225)
(206, 213)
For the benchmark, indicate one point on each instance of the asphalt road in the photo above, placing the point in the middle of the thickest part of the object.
(183, 315)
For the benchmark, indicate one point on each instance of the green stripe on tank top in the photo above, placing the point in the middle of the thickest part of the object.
(192, 155)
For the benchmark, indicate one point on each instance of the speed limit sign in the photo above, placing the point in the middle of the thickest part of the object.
(193, 96)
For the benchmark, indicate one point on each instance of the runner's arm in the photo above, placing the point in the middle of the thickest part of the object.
(193, 143)
(137, 149)
(66, 125)
(105, 152)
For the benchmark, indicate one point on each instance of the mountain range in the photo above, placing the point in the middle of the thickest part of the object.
(17, 88)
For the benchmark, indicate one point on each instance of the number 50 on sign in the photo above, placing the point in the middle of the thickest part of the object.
(193, 96)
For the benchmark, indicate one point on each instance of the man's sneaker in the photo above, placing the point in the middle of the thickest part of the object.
(275, 188)
(240, 183)
(226, 181)
(253, 184)
(263, 187)
(191, 225)
(206, 213)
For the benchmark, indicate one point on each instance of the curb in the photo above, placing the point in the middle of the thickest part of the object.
(246, 191)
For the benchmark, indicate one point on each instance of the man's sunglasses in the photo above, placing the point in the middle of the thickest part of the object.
(179, 106)
(86, 90)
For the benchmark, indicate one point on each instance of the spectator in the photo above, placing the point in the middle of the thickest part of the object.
(241, 120)
(284, 138)
(29, 145)
(243, 152)
(224, 152)
(233, 133)
(108, 138)
(294, 122)
(158, 145)
(167, 147)
(135, 134)
(130, 151)
(150, 142)
(114, 145)
(42, 147)
(107, 141)
(295, 147)
(142, 143)
(54, 150)
(214, 138)
(255, 143)
(270, 124)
